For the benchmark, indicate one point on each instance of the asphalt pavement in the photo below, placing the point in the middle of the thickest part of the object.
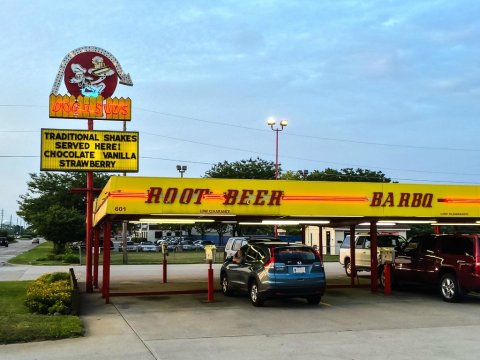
(348, 323)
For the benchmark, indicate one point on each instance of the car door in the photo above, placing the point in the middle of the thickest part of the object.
(424, 264)
(410, 259)
(237, 269)
(362, 251)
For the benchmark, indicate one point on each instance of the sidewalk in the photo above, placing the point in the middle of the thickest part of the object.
(107, 336)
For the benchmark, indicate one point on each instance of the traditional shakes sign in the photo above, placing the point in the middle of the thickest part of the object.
(84, 150)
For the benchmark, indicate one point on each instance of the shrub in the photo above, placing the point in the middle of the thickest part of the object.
(50, 294)
(71, 259)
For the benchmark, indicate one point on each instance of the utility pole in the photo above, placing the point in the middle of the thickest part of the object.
(1, 223)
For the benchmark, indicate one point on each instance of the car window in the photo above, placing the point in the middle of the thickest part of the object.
(250, 255)
(294, 256)
(257, 253)
(428, 244)
(237, 244)
(346, 242)
(359, 244)
(411, 246)
(460, 245)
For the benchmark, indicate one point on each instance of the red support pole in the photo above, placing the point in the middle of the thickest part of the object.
(387, 290)
(353, 274)
(164, 268)
(210, 281)
(106, 262)
(320, 242)
(104, 268)
(88, 240)
(373, 257)
(96, 238)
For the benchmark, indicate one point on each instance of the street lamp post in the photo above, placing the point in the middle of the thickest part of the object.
(303, 173)
(181, 169)
(283, 123)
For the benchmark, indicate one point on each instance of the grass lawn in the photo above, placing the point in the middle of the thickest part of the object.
(18, 325)
(39, 255)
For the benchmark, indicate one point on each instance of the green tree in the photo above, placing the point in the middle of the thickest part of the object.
(349, 175)
(202, 229)
(221, 229)
(291, 175)
(243, 169)
(53, 209)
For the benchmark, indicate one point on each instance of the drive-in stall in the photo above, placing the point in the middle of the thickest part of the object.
(150, 199)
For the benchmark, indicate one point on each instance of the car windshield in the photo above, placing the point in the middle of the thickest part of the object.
(388, 241)
(346, 242)
(295, 255)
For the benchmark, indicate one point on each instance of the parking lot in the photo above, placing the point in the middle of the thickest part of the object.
(348, 324)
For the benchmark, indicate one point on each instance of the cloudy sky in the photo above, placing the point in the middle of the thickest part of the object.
(391, 86)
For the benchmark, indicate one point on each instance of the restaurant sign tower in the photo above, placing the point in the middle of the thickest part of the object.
(90, 75)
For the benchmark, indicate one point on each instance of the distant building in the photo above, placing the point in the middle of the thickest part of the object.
(332, 237)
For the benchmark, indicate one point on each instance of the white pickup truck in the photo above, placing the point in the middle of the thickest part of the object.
(362, 250)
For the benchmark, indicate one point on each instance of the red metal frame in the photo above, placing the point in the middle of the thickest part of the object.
(106, 262)
(96, 244)
(88, 240)
(353, 274)
(320, 242)
(373, 257)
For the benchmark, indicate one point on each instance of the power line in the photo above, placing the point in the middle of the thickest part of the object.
(216, 123)
(260, 153)
(219, 123)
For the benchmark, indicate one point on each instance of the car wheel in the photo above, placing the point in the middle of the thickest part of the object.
(254, 295)
(314, 299)
(226, 286)
(348, 267)
(450, 288)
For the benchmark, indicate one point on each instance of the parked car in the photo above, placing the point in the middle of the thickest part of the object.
(131, 246)
(267, 269)
(3, 241)
(77, 245)
(451, 262)
(186, 245)
(362, 250)
(147, 246)
(200, 244)
(234, 244)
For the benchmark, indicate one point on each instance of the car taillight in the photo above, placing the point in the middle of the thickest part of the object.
(477, 265)
(270, 262)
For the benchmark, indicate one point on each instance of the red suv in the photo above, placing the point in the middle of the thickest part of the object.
(452, 262)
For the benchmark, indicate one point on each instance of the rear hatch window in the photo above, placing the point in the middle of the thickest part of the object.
(296, 256)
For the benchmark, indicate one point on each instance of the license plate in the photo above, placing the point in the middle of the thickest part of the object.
(299, 270)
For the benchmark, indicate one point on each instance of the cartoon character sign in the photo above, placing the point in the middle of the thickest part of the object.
(90, 74)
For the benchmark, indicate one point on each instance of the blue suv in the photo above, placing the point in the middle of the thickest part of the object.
(270, 269)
